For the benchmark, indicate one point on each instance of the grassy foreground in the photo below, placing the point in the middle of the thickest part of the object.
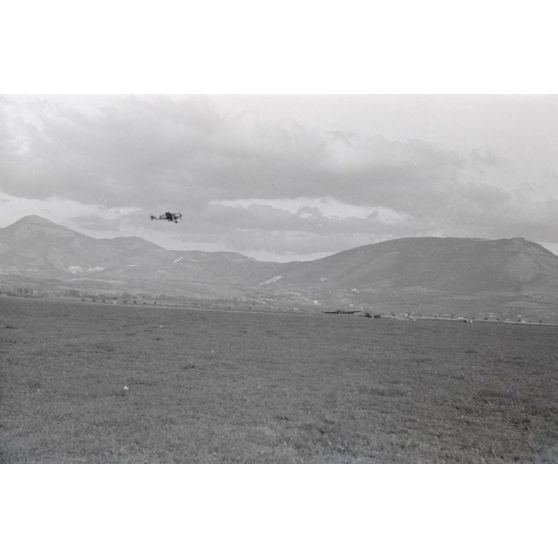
(228, 387)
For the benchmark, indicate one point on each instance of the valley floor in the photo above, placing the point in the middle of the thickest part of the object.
(228, 387)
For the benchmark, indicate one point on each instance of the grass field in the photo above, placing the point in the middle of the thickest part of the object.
(231, 387)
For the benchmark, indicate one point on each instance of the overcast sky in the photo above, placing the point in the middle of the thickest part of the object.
(283, 177)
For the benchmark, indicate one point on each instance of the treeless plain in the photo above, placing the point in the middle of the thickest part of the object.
(248, 387)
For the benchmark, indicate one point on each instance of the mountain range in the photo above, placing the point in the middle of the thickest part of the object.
(427, 274)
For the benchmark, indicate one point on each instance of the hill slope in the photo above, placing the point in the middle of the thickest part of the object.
(442, 274)
(445, 265)
(38, 248)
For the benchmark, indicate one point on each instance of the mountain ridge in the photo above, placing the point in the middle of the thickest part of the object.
(37, 220)
(413, 270)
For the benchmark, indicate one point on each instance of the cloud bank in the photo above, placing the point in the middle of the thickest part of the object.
(270, 188)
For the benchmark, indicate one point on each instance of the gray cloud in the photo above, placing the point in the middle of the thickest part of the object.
(155, 153)
(156, 148)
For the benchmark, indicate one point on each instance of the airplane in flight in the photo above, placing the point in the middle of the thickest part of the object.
(168, 216)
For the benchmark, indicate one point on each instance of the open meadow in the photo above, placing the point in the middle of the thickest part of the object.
(234, 387)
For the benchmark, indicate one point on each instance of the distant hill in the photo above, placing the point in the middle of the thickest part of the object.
(420, 274)
(36, 245)
(443, 265)
(38, 248)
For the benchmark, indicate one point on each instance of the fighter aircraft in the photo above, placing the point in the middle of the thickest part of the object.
(168, 216)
